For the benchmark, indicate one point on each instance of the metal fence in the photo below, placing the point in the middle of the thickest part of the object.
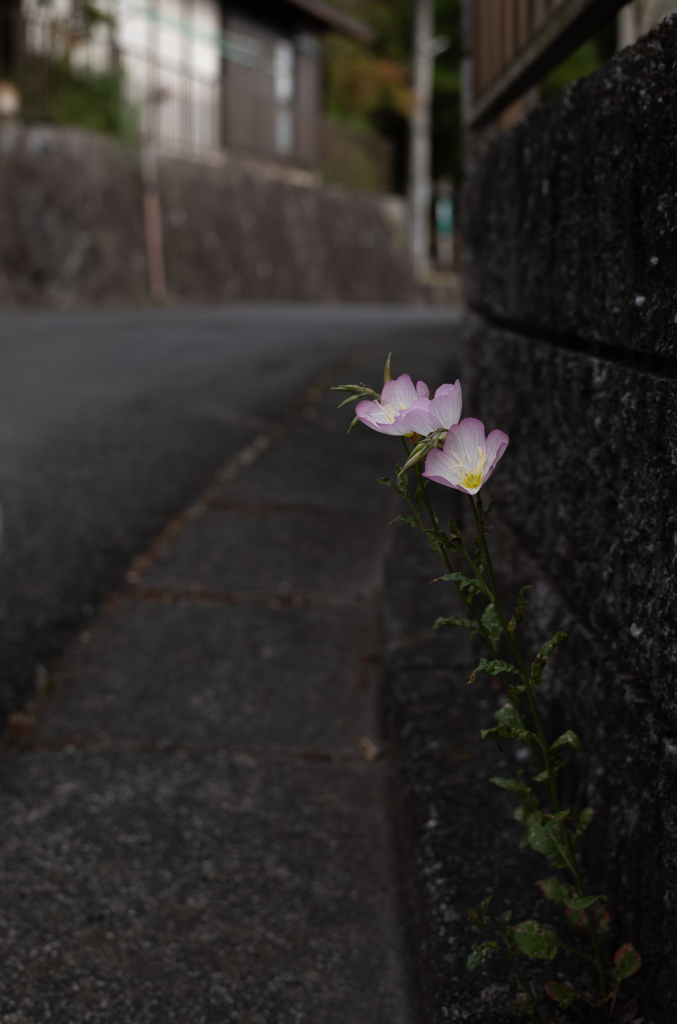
(73, 73)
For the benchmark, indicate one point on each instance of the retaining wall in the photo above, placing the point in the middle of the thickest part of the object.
(71, 229)
(571, 269)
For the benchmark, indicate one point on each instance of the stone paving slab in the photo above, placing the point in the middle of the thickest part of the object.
(277, 552)
(334, 472)
(205, 675)
(201, 889)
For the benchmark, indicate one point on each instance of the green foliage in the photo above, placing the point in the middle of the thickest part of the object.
(520, 610)
(492, 626)
(536, 940)
(586, 59)
(548, 830)
(565, 995)
(520, 788)
(627, 962)
(568, 738)
(473, 586)
(543, 655)
(495, 668)
(554, 889)
(453, 620)
(481, 953)
(368, 88)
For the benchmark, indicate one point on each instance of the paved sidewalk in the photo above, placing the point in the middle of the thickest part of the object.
(198, 829)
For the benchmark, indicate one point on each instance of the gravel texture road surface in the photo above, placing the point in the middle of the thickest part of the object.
(198, 826)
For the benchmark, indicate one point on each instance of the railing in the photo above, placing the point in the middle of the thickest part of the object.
(515, 43)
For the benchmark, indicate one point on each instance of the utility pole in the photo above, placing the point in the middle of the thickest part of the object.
(426, 48)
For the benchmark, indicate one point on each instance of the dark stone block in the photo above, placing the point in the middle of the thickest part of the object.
(586, 496)
(571, 215)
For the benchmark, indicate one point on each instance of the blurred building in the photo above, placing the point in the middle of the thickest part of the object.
(511, 45)
(195, 76)
(639, 17)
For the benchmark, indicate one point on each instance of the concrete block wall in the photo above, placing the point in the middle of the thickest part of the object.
(571, 250)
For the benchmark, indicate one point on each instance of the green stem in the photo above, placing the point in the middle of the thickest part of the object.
(540, 732)
(571, 857)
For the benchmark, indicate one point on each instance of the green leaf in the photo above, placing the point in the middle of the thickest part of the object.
(537, 837)
(541, 658)
(409, 520)
(438, 539)
(543, 833)
(520, 788)
(522, 605)
(494, 668)
(481, 952)
(506, 732)
(509, 715)
(586, 816)
(385, 480)
(347, 401)
(524, 1004)
(462, 582)
(562, 994)
(583, 903)
(485, 514)
(568, 737)
(454, 531)
(453, 621)
(554, 889)
(536, 940)
(542, 776)
(353, 424)
(627, 962)
(491, 624)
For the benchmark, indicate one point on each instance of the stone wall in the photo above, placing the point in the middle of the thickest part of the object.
(72, 234)
(70, 220)
(571, 271)
(232, 233)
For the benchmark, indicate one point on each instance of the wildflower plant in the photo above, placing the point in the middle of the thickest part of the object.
(441, 447)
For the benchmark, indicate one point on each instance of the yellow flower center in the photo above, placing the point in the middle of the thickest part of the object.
(473, 479)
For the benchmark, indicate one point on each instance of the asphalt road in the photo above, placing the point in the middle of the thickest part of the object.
(112, 421)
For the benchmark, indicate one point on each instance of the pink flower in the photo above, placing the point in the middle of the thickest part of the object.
(468, 458)
(387, 416)
(405, 409)
(440, 412)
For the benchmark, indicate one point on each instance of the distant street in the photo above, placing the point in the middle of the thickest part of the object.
(112, 421)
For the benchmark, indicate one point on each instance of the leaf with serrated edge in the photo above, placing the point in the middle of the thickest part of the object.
(452, 621)
(491, 624)
(494, 668)
(481, 952)
(506, 732)
(568, 737)
(409, 520)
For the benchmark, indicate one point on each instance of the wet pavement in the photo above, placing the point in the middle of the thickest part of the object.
(197, 809)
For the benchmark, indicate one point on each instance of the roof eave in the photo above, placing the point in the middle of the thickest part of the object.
(338, 20)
